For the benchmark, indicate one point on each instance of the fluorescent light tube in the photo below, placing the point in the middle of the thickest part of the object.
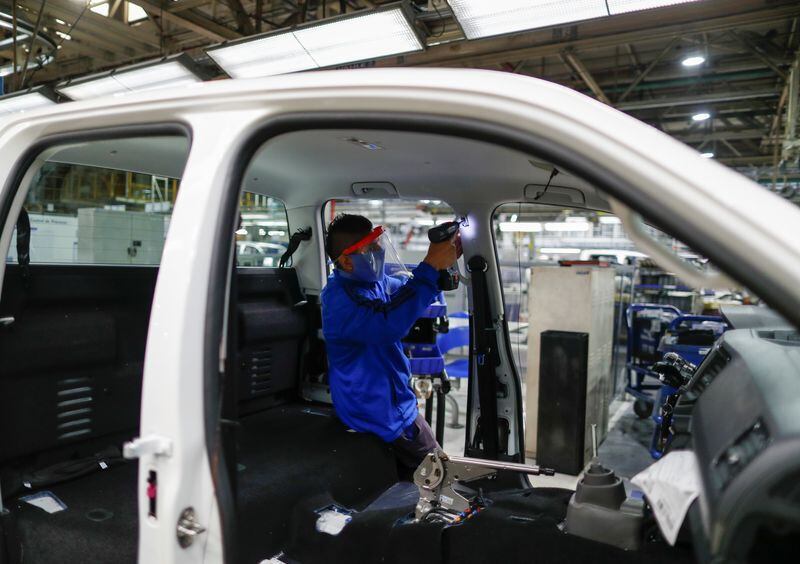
(567, 226)
(484, 18)
(559, 251)
(520, 227)
(166, 74)
(104, 86)
(267, 56)
(369, 36)
(347, 39)
(624, 6)
(23, 102)
(170, 74)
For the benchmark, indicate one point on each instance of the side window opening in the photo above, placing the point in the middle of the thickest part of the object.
(576, 271)
(263, 234)
(73, 346)
(89, 214)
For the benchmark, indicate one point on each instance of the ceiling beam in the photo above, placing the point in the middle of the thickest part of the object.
(193, 22)
(90, 39)
(602, 32)
(586, 76)
(181, 5)
(699, 100)
(69, 11)
(720, 135)
(761, 56)
(747, 160)
(733, 149)
(242, 18)
(112, 34)
(642, 75)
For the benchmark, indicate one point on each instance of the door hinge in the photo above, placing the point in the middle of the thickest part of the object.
(151, 444)
(188, 528)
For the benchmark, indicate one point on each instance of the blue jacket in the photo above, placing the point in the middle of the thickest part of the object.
(367, 368)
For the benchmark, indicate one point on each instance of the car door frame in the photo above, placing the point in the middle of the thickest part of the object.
(602, 177)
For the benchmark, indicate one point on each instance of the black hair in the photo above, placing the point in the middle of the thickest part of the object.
(345, 230)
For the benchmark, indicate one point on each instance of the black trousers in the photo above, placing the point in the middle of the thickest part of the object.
(415, 442)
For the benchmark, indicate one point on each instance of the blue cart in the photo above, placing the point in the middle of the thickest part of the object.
(691, 337)
(427, 361)
(647, 323)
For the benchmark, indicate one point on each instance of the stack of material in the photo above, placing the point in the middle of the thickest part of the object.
(579, 299)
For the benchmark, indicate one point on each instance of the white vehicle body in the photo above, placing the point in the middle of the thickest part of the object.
(730, 219)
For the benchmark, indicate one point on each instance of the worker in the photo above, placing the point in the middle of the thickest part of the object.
(365, 314)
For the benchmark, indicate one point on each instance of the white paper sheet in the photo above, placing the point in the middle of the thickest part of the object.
(332, 522)
(45, 500)
(671, 485)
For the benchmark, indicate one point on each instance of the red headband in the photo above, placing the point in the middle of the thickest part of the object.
(374, 234)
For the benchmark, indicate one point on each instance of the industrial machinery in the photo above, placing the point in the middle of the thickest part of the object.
(438, 474)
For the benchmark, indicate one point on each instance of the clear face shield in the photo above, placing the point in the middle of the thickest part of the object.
(373, 256)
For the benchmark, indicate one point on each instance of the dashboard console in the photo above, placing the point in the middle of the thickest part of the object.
(745, 429)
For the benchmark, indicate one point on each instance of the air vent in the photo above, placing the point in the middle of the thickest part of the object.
(74, 405)
(716, 361)
(258, 367)
(738, 455)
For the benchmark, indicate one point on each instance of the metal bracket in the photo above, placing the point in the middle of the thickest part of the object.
(188, 528)
(151, 444)
(438, 473)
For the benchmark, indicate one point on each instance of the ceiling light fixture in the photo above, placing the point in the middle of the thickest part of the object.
(701, 116)
(693, 61)
(172, 72)
(365, 35)
(481, 18)
(26, 100)
(707, 155)
(625, 6)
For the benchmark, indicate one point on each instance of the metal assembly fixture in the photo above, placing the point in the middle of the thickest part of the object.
(188, 528)
(439, 472)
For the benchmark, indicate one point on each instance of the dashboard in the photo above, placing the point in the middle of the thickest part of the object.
(745, 430)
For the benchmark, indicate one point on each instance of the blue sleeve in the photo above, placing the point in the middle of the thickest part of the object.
(372, 321)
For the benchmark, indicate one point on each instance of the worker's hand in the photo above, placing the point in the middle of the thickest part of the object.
(442, 255)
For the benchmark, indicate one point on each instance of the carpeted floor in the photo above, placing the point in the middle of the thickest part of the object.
(99, 523)
(297, 459)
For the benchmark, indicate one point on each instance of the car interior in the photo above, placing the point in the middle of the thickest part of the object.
(73, 357)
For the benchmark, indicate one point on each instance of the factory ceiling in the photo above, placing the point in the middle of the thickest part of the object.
(733, 103)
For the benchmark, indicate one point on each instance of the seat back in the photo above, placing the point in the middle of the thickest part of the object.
(72, 359)
(273, 325)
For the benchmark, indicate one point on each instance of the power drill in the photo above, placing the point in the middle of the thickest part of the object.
(448, 279)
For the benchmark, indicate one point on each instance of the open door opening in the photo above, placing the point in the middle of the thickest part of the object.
(306, 487)
(77, 287)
